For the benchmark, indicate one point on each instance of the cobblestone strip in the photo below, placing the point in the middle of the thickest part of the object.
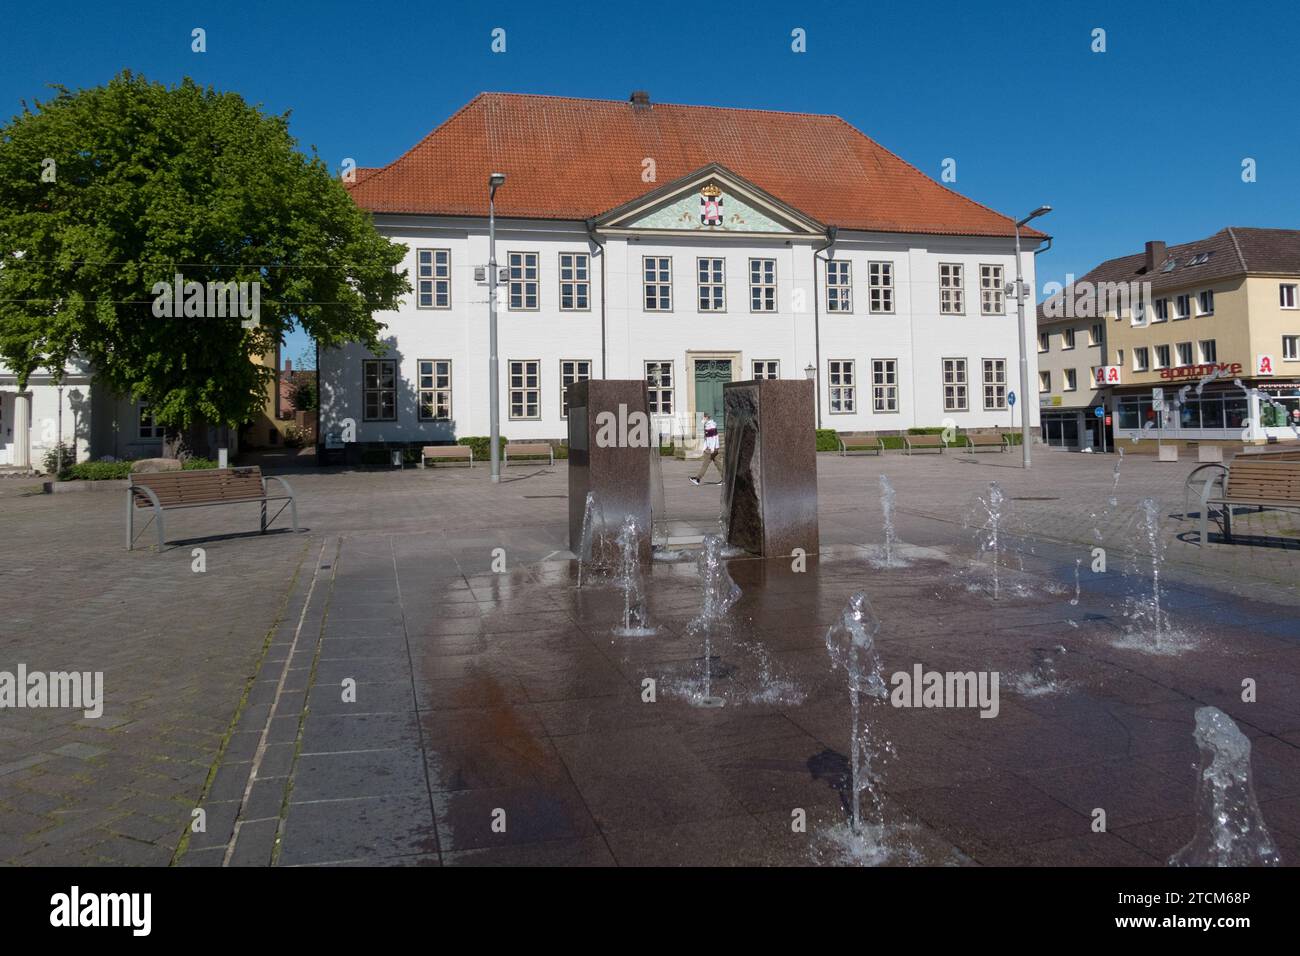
(235, 794)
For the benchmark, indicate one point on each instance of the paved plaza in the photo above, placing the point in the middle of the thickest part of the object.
(379, 689)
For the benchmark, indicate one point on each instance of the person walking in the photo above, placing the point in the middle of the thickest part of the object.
(710, 450)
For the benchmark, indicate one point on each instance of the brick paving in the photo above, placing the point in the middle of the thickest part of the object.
(479, 692)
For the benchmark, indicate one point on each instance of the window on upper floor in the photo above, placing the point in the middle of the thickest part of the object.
(1182, 306)
(433, 278)
(1071, 380)
(952, 299)
(992, 291)
(1209, 351)
(1162, 311)
(1162, 356)
(1291, 347)
(1141, 359)
(1184, 353)
(1067, 339)
(712, 280)
(523, 281)
(575, 282)
(1044, 382)
(880, 285)
(1044, 341)
(839, 285)
(762, 285)
(1286, 296)
(658, 283)
(1205, 302)
(1096, 333)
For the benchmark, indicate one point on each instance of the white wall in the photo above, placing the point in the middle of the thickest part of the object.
(916, 335)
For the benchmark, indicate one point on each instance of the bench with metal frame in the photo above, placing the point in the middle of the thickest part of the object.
(934, 442)
(986, 440)
(447, 453)
(171, 490)
(863, 442)
(1260, 481)
(536, 449)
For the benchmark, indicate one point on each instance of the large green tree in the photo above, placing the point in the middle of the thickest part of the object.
(107, 191)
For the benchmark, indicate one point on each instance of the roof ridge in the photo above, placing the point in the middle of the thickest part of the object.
(1237, 246)
(655, 105)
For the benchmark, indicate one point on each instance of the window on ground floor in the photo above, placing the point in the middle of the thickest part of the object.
(954, 385)
(995, 384)
(435, 390)
(379, 390)
(767, 368)
(659, 384)
(884, 385)
(525, 389)
(843, 387)
(571, 370)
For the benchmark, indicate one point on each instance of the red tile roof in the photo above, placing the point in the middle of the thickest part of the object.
(574, 159)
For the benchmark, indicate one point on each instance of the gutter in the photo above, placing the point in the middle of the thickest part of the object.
(592, 237)
(831, 233)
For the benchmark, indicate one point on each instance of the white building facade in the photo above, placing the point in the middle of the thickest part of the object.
(706, 279)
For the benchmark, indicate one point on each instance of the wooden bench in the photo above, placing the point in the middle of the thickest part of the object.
(447, 453)
(171, 490)
(1261, 481)
(860, 441)
(935, 442)
(522, 449)
(986, 440)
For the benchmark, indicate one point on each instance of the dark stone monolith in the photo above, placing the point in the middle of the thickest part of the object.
(769, 503)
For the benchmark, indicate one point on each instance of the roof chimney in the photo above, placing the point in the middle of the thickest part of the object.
(640, 100)
(1155, 255)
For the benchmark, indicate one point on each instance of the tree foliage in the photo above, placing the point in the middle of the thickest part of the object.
(105, 192)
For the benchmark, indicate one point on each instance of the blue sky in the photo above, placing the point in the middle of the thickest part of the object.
(1143, 141)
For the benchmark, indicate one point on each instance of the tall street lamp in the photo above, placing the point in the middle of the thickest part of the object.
(495, 180)
(1024, 358)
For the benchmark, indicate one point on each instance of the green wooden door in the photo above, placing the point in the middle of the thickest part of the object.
(710, 376)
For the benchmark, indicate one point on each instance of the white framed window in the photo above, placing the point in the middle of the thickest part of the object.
(571, 370)
(884, 385)
(659, 384)
(995, 384)
(712, 276)
(146, 428)
(1162, 311)
(1286, 296)
(1141, 358)
(762, 285)
(952, 299)
(1067, 339)
(575, 282)
(1291, 347)
(1209, 351)
(1139, 316)
(842, 382)
(433, 278)
(767, 368)
(954, 385)
(523, 281)
(991, 291)
(658, 282)
(1044, 382)
(880, 286)
(1096, 332)
(525, 389)
(1182, 306)
(1205, 302)
(435, 389)
(1071, 380)
(1044, 341)
(379, 390)
(1162, 356)
(839, 283)
(1184, 353)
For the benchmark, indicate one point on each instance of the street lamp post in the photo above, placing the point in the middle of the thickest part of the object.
(1024, 357)
(494, 182)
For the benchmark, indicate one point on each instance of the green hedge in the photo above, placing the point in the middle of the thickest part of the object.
(827, 440)
(118, 470)
(482, 445)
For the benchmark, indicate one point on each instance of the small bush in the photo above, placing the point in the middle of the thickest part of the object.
(827, 440)
(51, 460)
(97, 471)
(198, 464)
(667, 451)
(481, 445)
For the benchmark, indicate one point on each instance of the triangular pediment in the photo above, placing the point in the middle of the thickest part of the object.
(710, 200)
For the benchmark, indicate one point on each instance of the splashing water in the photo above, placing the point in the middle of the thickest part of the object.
(1114, 485)
(635, 620)
(992, 528)
(1151, 630)
(1230, 829)
(887, 510)
(850, 641)
(1043, 679)
(1156, 545)
(720, 595)
(592, 544)
(1078, 563)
